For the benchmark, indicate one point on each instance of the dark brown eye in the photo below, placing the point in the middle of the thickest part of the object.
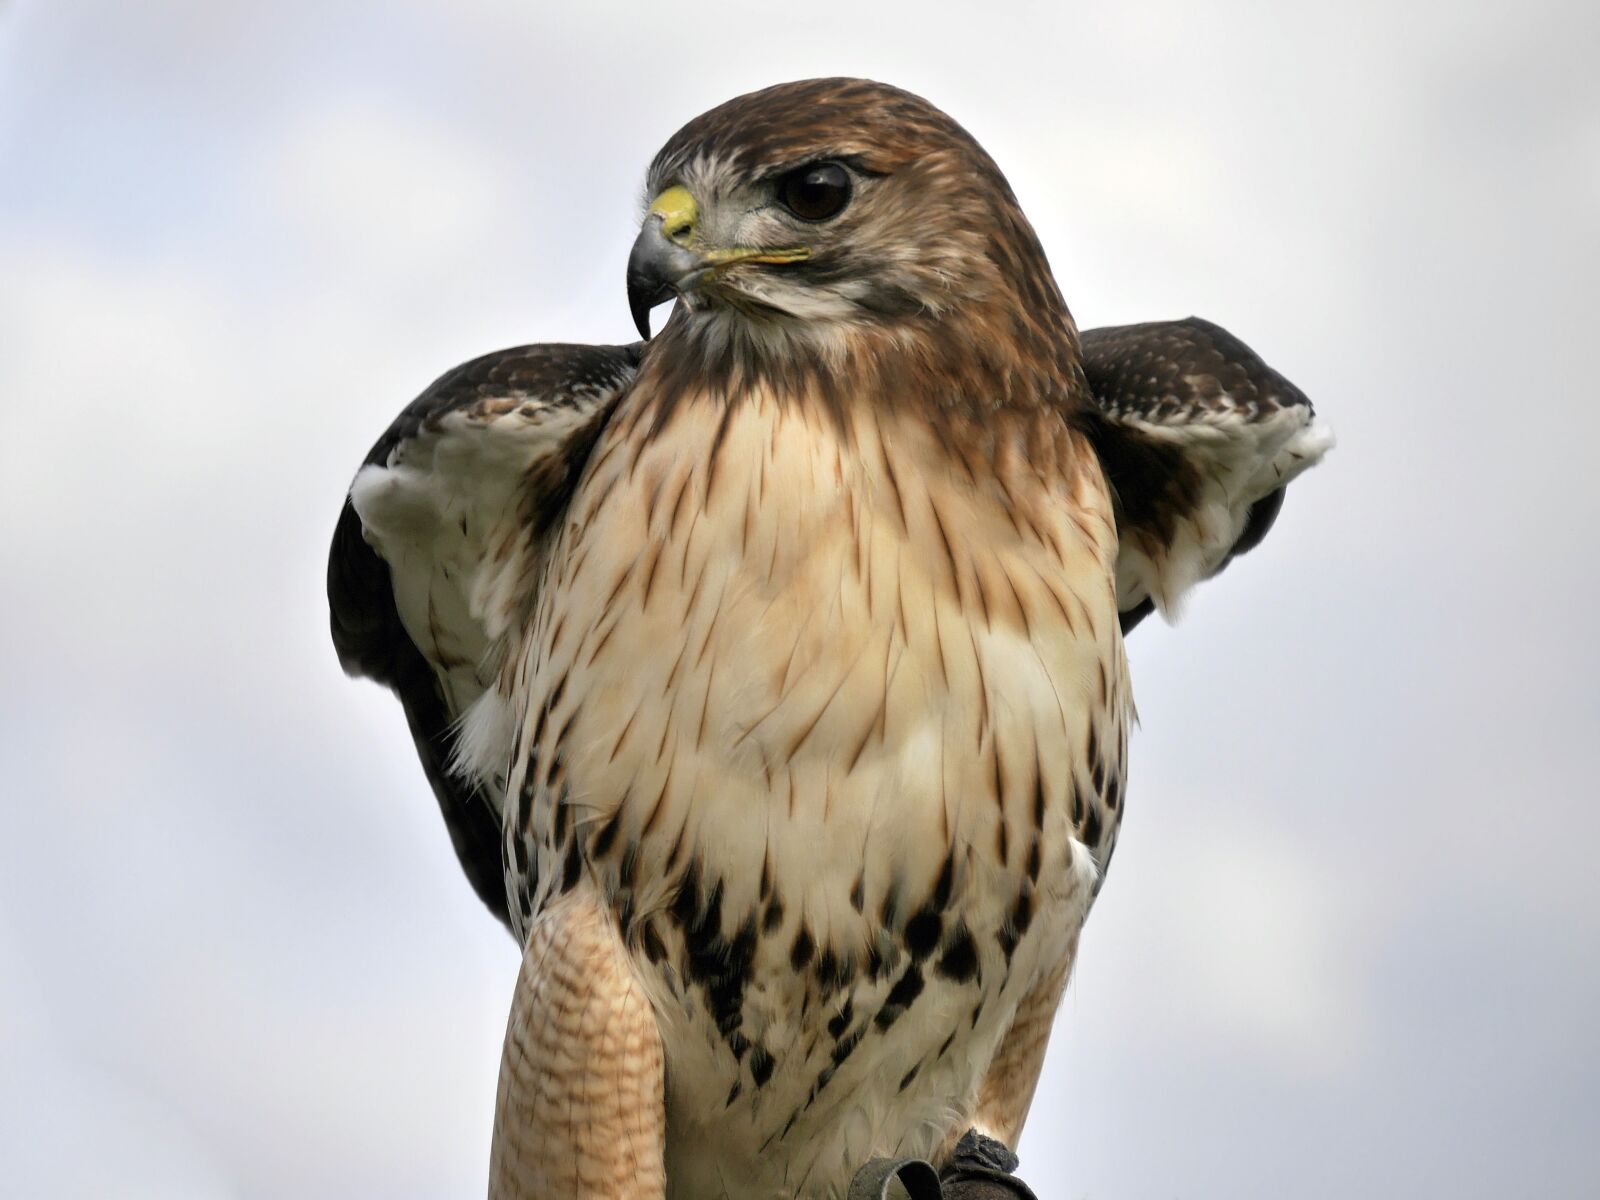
(815, 191)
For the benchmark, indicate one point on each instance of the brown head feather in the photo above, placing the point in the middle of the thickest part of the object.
(940, 291)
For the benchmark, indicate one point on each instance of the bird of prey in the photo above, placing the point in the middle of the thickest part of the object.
(769, 672)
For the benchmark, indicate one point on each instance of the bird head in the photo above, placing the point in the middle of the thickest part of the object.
(827, 205)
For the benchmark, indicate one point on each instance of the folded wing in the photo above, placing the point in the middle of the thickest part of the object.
(1198, 438)
(443, 528)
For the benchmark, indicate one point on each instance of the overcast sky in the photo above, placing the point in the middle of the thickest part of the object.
(1350, 946)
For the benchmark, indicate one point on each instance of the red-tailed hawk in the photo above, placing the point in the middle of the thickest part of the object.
(770, 672)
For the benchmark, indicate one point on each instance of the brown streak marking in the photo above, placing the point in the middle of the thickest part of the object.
(1056, 545)
(1022, 609)
(593, 503)
(900, 601)
(983, 687)
(772, 563)
(705, 704)
(666, 733)
(601, 644)
(623, 736)
(656, 808)
(694, 592)
(637, 445)
(1066, 615)
(801, 740)
(628, 417)
(1002, 826)
(755, 725)
(650, 577)
(894, 485)
(538, 726)
(677, 849)
(1083, 528)
(1035, 531)
(561, 737)
(716, 615)
(864, 568)
(652, 506)
(783, 681)
(939, 432)
(575, 567)
(715, 455)
(999, 776)
(1021, 513)
(684, 480)
(879, 721)
(938, 638)
(983, 594)
(949, 551)
(888, 682)
(866, 736)
(1009, 508)
(677, 664)
(604, 456)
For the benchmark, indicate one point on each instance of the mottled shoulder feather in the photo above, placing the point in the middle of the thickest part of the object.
(456, 494)
(1198, 438)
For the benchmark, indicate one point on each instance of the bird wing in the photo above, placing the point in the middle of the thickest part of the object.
(441, 532)
(1199, 439)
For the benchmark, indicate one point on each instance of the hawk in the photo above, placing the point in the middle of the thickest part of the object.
(769, 672)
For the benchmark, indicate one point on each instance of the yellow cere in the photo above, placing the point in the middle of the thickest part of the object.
(677, 210)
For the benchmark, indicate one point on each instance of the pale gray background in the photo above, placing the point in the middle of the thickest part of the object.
(1348, 948)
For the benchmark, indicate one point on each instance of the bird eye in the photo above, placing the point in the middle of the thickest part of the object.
(815, 191)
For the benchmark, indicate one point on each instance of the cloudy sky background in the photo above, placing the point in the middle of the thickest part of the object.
(1349, 946)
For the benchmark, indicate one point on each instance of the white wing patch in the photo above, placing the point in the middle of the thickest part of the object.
(446, 513)
(1241, 458)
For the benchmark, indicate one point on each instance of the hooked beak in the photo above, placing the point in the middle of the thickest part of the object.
(667, 259)
(661, 261)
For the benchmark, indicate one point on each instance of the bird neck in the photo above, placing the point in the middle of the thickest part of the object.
(970, 361)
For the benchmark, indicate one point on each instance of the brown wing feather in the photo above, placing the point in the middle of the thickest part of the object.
(369, 633)
(1199, 439)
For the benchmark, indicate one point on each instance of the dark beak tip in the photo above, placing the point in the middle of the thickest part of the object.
(641, 314)
(646, 289)
(653, 266)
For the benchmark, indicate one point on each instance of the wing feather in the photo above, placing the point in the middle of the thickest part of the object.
(1198, 438)
(437, 550)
